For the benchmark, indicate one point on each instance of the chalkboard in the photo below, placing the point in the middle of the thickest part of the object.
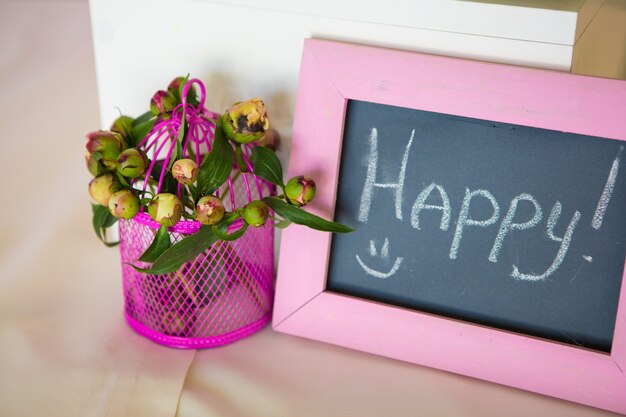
(513, 227)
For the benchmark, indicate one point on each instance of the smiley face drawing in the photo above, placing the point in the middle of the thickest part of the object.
(384, 254)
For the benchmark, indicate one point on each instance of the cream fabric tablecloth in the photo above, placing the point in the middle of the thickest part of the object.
(64, 347)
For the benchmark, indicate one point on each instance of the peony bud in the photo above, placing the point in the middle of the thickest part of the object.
(185, 171)
(210, 210)
(255, 213)
(174, 85)
(94, 166)
(132, 163)
(300, 190)
(122, 125)
(246, 122)
(165, 209)
(174, 88)
(105, 147)
(162, 102)
(271, 140)
(124, 204)
(103, 187)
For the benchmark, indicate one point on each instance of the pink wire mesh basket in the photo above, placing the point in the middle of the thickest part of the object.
(226, 292)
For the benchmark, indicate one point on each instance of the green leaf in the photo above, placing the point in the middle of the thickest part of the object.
(180, 90)
(183, 128)
(143, 118)
(191, 96)
(228, 219)
(299, 216)
(217, 165)
(190, 152)
(177, 153)
(139, 131)
(182, 85)
(230, 237)
(102, 219)
(183, 125)
(282, 224)
(184, 251)
(266, 165)
(188, 216)
(187, 201)
(170, 185)
(194, 193)
(99, 216)
(121, 179)
(241, 164)
(109, 221)
(159, 244)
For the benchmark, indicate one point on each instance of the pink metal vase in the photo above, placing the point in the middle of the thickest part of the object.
(225, 293)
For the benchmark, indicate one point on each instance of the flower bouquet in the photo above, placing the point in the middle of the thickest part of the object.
(194, 193)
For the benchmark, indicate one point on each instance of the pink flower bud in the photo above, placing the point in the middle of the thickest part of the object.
(132, 162)
(210, 210)
(255, 213)
(165, 209)
(124, 204)
(185, 171)
(103, 187)
(246, 122)
(105, 147)
(162, 102)
(94, 166)
(122, 125)
(300, 190)
(174, 85)
(174, 88)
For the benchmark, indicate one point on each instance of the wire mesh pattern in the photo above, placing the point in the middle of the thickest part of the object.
(223, 295)
(226, 292)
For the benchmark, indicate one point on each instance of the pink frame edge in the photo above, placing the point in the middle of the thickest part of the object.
(330, 74)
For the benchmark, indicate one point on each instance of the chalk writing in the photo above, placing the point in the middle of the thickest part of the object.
(603, 203)
(384, 254)
(420, 205)
(441, 202)
(465, 220)
(565, 242)
(482, 221)
(370, 179)
(507, 224)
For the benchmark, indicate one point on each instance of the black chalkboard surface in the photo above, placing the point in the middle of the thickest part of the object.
(513, 227)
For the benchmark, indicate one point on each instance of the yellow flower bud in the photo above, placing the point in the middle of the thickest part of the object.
(246, 122)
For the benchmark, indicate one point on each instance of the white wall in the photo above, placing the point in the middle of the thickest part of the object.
(242, 52)
(246, 48)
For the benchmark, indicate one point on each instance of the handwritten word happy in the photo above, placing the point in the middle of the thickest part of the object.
(507, 222)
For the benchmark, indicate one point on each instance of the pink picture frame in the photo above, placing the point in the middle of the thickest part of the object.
(330, 75)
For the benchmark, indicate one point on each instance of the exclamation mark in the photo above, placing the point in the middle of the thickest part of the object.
(603, 203)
